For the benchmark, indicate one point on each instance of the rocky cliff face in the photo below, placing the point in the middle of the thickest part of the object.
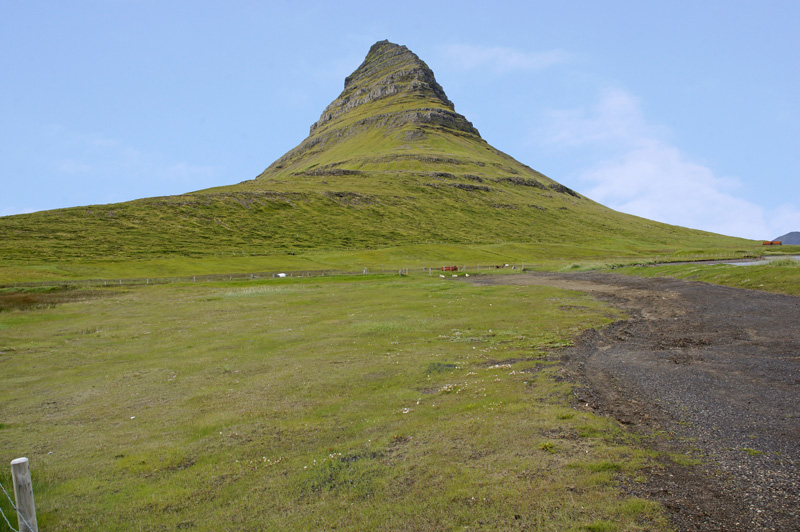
(390, 70)
(392, 94)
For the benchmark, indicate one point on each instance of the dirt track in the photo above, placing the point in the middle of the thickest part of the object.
(716, 367)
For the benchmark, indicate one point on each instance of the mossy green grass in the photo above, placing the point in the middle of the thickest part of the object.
(779, 276)
(355, 403)
(538, 256)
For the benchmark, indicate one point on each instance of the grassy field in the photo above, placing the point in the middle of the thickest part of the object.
(780, 276)
(543, 256)
(368, 403)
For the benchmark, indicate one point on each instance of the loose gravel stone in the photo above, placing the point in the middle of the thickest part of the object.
(717, 370)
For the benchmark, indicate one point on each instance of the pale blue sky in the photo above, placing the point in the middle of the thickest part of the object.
(681, 111)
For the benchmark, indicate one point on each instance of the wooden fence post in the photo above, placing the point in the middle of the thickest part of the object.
(23, 494)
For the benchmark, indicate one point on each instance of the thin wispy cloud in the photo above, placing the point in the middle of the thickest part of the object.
(72, 167)
(97, 158)
(656, 181)
(615, 119)
(647, 176)
(185, 172)
(501, 59)
(96, 168)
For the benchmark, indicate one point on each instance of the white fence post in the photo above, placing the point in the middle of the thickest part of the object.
(23, 494)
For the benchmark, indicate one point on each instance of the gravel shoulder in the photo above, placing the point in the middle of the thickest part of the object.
(716, 370)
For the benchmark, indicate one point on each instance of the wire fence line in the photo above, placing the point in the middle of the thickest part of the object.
(7, 521)
(12, 505)
(139, 281)
(4, 515)
(19, 515)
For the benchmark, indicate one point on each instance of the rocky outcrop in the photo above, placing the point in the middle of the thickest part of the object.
(390, 70)
(384, 57)
(523, 181)
(561, 189)
(431, 117)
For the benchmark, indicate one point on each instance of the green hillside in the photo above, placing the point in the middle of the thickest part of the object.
(390, 163)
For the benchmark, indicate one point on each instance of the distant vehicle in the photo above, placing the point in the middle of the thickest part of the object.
(772, 243)
(280, 275)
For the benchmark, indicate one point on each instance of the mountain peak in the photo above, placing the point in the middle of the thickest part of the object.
(391, 105)
(392, 64)
(393, 74)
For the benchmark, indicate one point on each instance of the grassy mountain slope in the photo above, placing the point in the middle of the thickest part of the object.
(389, 163)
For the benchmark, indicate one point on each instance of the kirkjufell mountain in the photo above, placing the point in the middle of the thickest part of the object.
(389, 163)
(393, 120)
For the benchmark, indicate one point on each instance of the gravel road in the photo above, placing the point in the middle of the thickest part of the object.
(717, 369)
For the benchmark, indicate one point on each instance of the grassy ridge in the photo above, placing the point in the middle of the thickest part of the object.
(377, 404)
(340, 215)
(358, 213)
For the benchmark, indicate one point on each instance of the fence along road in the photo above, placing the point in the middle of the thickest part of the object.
(140, 281)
